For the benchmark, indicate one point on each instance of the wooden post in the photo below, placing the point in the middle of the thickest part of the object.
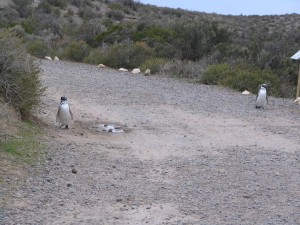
(298, 85)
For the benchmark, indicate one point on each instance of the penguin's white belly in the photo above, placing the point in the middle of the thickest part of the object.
(261, 100)
(64, 115)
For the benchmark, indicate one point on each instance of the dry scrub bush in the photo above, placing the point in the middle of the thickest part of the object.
(241, 77)
(20, 85)
(127, 54)
(183, 69)
(77, 51)
(154, 64)
(38, 48)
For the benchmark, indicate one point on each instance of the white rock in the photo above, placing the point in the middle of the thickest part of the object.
(48, 57)
(109, 128)
(147, 72)
(124, 70)
(297, 100)
(246, 92)
(136, 70)
(101, 66)
(56, 58)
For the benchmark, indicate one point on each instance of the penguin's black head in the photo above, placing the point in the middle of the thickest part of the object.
(63, 98)
(264, 86)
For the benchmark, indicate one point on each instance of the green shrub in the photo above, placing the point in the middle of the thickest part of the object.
(19, 31)
(38, 48)
(87, 30)
(126, 54)
(116, 15)
(69, 13)
(183, 69)
(109, 36)
(96, 57)
(58, 3)
(154, 64)
(131, 4)
(215, 73)
(20, 85)
(242, 77)
(77, 51)
(30, 25)
(76, 3)
(86, 13)
(45, 7)
(24, 7)
(115, 6)
(155, 34)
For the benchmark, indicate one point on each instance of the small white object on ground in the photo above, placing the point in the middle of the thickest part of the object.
(297, 100)
(245, 92)
(147, 72)
(101, 66)
(109, 128)
(136, 71)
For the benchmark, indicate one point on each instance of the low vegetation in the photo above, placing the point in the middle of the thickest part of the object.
(20, 85)
(20, 92)
(241, 77)
(22, 144)
(20, 148)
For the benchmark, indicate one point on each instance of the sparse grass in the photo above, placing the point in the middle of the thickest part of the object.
(23, 146)
(20, 150)
(20, 147)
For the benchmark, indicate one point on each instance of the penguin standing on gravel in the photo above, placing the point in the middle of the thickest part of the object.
(262, 97)
(64, 113)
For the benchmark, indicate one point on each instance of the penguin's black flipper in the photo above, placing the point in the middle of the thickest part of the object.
(71, 113)
(57, 115)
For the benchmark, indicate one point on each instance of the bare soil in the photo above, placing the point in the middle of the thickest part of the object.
(190, 154)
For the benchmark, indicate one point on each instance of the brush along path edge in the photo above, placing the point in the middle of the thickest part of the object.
(189, 154)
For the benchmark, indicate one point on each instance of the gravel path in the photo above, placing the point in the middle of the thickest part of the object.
(190, 154)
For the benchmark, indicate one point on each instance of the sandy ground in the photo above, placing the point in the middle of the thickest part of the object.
(189, 154)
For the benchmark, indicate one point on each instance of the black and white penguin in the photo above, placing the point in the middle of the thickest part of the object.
(262, 97)
(64, 113)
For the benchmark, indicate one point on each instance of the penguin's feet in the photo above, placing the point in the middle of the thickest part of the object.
(64, 127)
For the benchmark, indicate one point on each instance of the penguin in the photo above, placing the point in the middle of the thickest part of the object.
(64, 113)
(262, 97)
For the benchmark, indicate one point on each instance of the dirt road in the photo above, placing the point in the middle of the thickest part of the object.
(190, 154)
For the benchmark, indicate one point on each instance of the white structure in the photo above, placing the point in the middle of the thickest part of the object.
(296, 57)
